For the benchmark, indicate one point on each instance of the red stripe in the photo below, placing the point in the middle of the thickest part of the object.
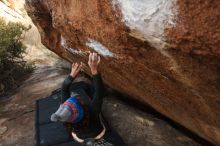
(72, 106)
(74, 109)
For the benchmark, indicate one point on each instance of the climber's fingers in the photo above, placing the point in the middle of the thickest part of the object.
(76, 65)
(78, 68)
(75, 69)
(96, 58)
(99, 59)
(93, 58)
(73, 64)
(81, 66)
(90, 58)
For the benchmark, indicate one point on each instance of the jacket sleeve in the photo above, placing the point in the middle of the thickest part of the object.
(98, 94)
(65, 94)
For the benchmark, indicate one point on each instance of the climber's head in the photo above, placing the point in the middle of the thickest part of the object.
(54, 117)
(70, 111)
(62, 114)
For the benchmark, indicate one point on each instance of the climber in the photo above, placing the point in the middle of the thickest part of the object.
(81, 103)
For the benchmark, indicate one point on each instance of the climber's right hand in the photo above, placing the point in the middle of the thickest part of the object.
(94, 60)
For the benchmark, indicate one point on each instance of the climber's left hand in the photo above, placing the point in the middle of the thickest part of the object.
(75, 69)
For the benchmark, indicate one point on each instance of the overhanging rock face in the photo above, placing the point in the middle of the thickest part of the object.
(164, 53)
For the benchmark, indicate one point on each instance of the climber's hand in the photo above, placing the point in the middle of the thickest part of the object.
(75, 69)
(93, 62)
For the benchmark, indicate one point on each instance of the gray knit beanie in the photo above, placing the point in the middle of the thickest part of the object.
(62, 115)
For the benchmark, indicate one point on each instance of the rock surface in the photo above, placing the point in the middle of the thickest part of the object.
(163, 53)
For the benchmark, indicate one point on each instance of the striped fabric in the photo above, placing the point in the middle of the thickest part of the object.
(73, 105)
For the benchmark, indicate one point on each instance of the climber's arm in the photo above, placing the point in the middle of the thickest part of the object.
(98, 95)
(65, 93)
(94, 60)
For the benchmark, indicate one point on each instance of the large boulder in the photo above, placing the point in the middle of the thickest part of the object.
(164, 53)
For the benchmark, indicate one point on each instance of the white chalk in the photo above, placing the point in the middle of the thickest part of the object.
(148, 18)
(64, 45)
(98, 47)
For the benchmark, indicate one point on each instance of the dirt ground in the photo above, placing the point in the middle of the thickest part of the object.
(140, 128)
(18, 111)
(135, 126)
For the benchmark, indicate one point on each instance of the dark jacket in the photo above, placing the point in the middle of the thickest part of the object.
(92, 98)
